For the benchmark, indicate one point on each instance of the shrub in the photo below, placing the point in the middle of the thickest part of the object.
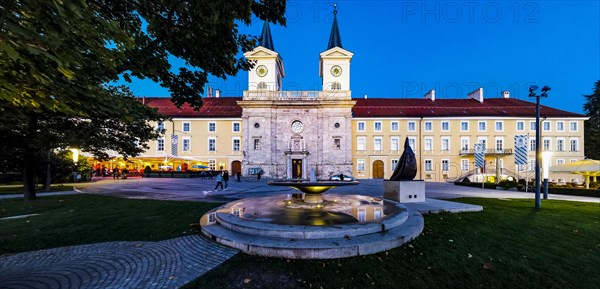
(147, 169)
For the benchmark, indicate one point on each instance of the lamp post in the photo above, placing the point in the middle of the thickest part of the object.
(532, 93)
(546, 156)
(75, 154)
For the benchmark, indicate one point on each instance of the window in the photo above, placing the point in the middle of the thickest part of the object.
(362, 215)
(499, 126)
(377, 126)
(546, 144)
(212, 164)
(160, 144)
(464, 126)
(336, 85)
(361, 126)
(377, 214)
(560, 145)
(212, 218)
(360, 165)
(560, 161)
(428, 144)
(464, 165)
(445, 144)
(482, 140)
(546, 125)
(532, 126)
(236, 127)
(482, 126)
(261, 85)
(532, 144)
(361, 143)
(572, 160)
(337, 143)
(394, 164)
(212, 145)
(531, 165)
(445, 126)
(395, 126)
(499, 144)
(160, 126)
(412, 142)
(520, 126)
(236, 144)
(256, 144)
(212, 126)
(412, 126)
(560, 126)
(395, 141)
(428, 165)
(377, 144)
(574, 146)
(573, 126)
(186, 127)
(445, 165)
(428, 126)
(464, 143)
(521, 168)
(186, 144)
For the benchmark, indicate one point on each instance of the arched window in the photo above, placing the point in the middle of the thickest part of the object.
(262, 85)
(336, 85)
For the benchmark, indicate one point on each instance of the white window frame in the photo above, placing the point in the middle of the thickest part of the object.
(413, 124)
(546, 144)
(499, 144)
(239, 126)
(482, 122)
(522, 123)
(463, 124)
(361, 143)
(360, 124)
(160, 126)
(445, 165)
(501, 123)
(573, 126)
(428, 165)
(212, 164)
(189, 126)
(396, 124)
(464, 164)
(546, 125)
(560, 161)
(532, 125)
(183, 144)
(560, 147)
(160, 142)
(447, 123)
(428, 143)
(394, 164)
(445, 143)
(239, 144)
(377, 126)
(337, 143)
(560, 126)
(256, 145)
(571, 140)
(214, 128)
(483, 140)
(214, 147)
(465, 143)
(428, 126)
(397, 142)
(377, 143)
(412, 142)
(360, 165)
(532, 145)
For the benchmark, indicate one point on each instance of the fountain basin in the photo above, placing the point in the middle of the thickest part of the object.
(313, 190)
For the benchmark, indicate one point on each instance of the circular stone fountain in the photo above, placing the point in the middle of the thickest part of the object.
(312, 225)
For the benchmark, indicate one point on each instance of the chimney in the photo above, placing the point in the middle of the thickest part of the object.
(217, 93)
(430, 95)
(506, 94)
(477, 94)
(210, 91)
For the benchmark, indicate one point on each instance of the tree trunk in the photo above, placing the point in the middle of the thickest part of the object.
(48, 174)
(29, 176)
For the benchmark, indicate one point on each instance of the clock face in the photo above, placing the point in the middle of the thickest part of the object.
(262, 70)
(297, 126)
(336, 70)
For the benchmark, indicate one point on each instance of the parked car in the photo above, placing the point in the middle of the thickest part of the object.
(346, 178)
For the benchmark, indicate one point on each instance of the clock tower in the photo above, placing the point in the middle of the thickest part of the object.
(268, 69)
(334, 67)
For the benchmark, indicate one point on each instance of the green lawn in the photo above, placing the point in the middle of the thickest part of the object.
(81, 219)
(508, 245)
(18, 189)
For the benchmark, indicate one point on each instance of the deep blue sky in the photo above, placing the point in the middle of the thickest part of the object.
(404, 48)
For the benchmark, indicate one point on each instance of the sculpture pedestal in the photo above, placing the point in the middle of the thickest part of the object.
(404, 191)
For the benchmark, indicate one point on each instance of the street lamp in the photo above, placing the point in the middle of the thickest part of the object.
(546, 156)
(75, 154)
(532, 93)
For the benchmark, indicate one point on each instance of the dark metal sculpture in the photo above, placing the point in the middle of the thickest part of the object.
(407, 165)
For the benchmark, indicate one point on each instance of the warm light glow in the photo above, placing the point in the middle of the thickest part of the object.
(546, 157)
(75, 155)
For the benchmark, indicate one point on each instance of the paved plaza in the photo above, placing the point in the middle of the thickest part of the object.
(172, 263)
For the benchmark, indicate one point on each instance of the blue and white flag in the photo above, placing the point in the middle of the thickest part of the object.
(478, 148)
(174, 141)
(521, 149)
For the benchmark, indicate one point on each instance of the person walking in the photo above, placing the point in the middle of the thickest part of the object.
(226, 178)
(258, 175)
(239, 176)
(219, 182)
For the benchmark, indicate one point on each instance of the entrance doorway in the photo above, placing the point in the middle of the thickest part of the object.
(378, 169)
(236, 166)
(296, 168)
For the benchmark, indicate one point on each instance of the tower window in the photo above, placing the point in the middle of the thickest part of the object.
(336, 86)
(262, 85)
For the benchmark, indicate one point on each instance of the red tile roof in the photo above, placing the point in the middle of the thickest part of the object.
(221, 107)
(417, 107)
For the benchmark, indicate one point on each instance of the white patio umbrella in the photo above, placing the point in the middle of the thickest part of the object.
(587, 168)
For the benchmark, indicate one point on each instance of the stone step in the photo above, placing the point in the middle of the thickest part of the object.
(324, 248)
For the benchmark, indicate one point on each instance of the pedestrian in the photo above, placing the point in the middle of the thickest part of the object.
(115, 173)
(219, 182)
(258, 175)
(225, 178)
(239, 176)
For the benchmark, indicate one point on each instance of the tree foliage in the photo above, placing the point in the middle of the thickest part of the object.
(59, 60)
(592, 126)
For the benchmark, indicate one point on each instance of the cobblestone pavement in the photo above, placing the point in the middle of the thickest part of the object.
(165, 264)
